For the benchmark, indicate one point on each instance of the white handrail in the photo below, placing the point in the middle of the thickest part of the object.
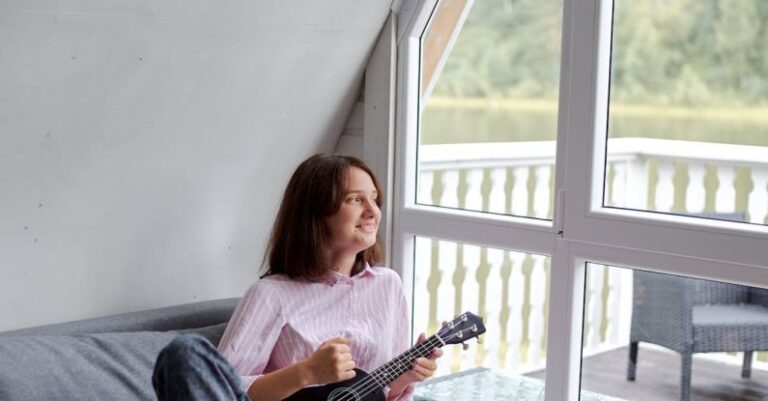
(474, 155)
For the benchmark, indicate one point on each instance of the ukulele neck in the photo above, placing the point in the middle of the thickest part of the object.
(395, 368)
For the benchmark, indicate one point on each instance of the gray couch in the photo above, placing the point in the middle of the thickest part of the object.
(108, 358)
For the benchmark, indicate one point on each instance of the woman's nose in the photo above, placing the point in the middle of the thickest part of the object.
(371, 208)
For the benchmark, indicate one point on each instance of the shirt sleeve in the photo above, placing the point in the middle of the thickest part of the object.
(252, 332)
(401, 338)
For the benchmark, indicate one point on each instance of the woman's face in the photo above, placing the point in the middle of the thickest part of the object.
(353, 228)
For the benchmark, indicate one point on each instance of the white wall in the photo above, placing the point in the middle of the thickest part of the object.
(351, 139)
(144, 145)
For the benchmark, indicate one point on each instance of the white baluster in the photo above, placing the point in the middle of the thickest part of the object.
(637, 184)
(613, 310)
(426, 184)
(619, 184)
(536, 319)
(497, 201)
(515, 323)
(492, 318)
(541, 192)
(725, 198)
(470, 295)
(695, 193)
(623, 316)
(520, 191)
(665, 190)
(421, 272)
(446, 292)
(595, 305)
(474, 199)
(450, 197)
(758, 198)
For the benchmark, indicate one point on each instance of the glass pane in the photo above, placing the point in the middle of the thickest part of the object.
(488, 106)
(686, 330)
(510, 290)
(688, 123)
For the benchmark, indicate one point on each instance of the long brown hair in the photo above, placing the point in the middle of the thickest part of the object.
(300, 237)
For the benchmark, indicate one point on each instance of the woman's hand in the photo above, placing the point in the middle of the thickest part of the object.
(423, 369)
(331, 362)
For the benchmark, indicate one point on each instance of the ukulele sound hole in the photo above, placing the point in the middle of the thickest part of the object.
(344, 394)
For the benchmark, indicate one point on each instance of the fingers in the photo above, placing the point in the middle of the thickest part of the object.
(346, 375)
(341, 357)
(343, 366)
(338, 340)
(332, 362)
(423, 368)
(437, 353)
(425, 364)
(338, 344)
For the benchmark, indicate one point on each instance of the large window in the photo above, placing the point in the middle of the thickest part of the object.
(488, 106)
(688, 132)
(556, 157)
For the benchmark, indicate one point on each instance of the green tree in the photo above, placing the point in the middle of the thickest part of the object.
(682, 52)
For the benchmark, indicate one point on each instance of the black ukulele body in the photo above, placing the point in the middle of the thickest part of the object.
(340, 391)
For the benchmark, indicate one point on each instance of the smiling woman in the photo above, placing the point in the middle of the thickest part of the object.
(320, 195)
(354, 225)
(320, 315)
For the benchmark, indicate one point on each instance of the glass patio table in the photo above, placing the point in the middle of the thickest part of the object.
(487, 385)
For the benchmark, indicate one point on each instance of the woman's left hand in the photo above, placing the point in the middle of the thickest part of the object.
(423, 369)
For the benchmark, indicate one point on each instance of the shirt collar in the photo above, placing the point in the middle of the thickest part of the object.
(334, 277)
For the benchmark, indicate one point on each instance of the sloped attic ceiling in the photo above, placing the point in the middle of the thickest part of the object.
(144, 145)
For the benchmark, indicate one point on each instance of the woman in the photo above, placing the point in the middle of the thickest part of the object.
(320, 310)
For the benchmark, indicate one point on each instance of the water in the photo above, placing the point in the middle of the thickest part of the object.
(471, 124)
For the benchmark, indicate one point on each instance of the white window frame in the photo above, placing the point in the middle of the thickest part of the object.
(582, 230)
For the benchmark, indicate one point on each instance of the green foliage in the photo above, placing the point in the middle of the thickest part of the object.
(690, 53)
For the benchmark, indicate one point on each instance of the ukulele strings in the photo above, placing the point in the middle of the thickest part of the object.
(370, 382)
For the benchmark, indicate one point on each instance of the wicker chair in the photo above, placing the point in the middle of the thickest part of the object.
(691, 315)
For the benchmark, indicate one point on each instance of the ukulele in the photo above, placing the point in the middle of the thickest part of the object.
(370, 386)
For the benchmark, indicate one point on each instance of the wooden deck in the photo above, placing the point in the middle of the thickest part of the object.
(658, 378)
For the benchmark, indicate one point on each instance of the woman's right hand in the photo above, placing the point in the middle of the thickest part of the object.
(331, 362)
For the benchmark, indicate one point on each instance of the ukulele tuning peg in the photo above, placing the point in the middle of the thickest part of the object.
(464, 346)
(479, 340)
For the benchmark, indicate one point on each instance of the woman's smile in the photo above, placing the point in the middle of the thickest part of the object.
(367, 227)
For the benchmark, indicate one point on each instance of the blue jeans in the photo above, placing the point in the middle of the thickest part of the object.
(190, 368)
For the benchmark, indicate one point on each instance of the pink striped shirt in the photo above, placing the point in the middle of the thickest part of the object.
(279, 322)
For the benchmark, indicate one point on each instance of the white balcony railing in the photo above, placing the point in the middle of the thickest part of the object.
(510, 289)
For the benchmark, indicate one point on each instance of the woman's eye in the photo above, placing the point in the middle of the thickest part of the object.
(358, 199)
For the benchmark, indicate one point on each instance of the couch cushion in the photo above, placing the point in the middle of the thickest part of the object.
(211, 333)
(739, 327)
(107, 366)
